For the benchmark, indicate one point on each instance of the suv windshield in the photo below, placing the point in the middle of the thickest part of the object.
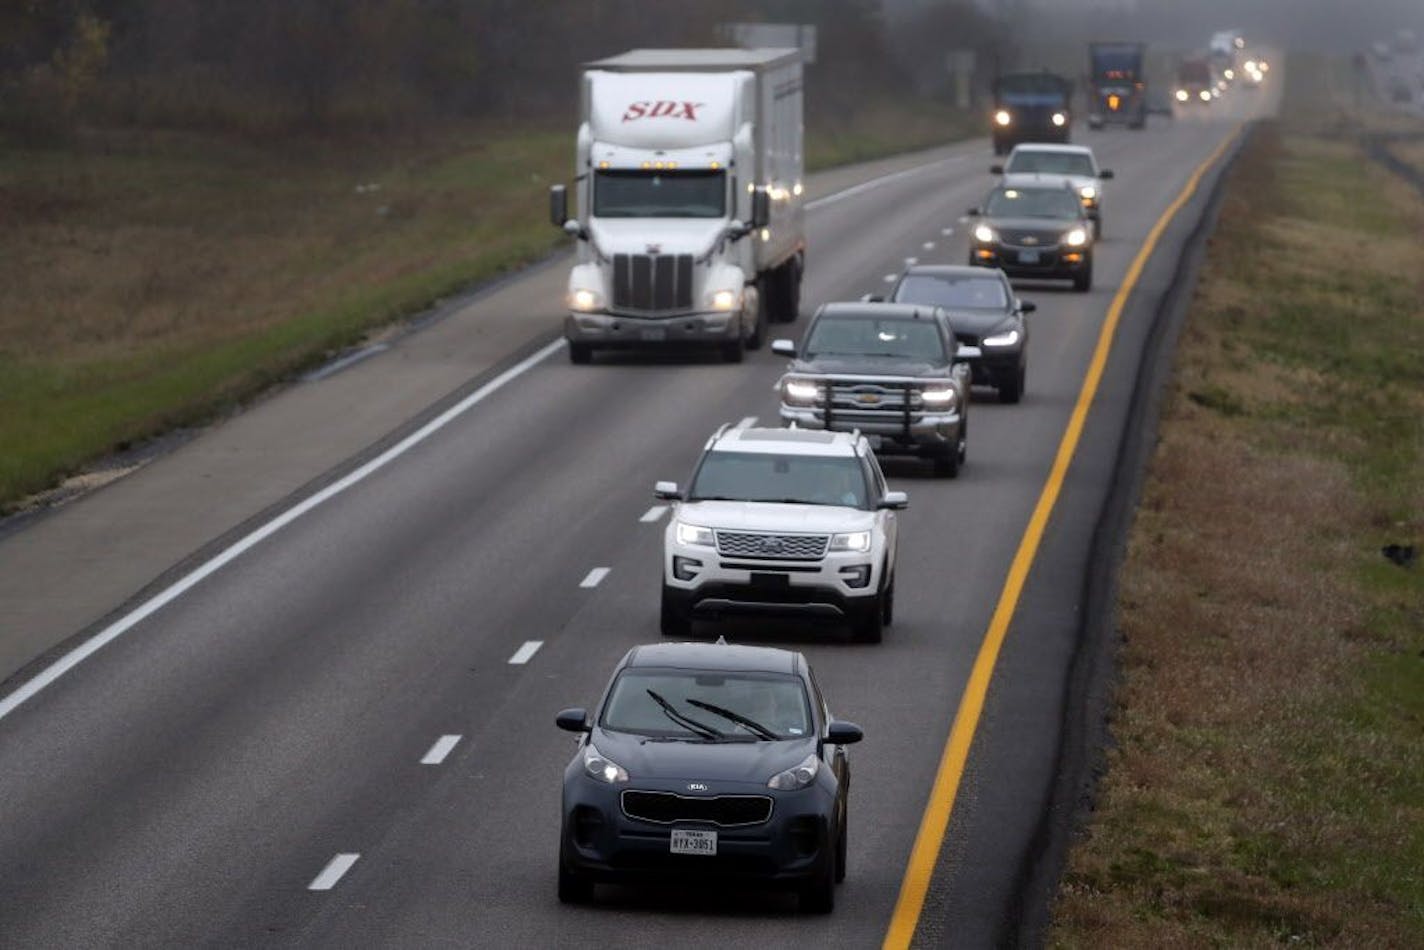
(1050, 163)
(1033, 203)
(795, 479)
(869, 336)
(962, 293)
(774, 701)
(639, 194)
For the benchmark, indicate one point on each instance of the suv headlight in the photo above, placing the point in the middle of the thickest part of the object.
(601, 768)
(724, 299)
(585, 300)
(801, 775)
(940, 398)
(800, 392)
(985, 234)
(1088, 192)
(1076, 237)
(694, 534)
(857, 541)
(1008, 338)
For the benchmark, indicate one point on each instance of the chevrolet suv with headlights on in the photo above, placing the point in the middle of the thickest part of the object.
(1034, 231)
(894, 372)
(782, 521)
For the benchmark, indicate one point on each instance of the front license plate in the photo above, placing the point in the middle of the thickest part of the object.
(655, 333)
(686, 841)
(1028, 257)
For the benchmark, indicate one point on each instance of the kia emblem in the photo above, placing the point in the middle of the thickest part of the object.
(696, 787)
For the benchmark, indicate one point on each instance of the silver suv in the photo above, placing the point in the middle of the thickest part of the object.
(782, 521)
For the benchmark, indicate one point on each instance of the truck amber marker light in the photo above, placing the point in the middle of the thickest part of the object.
(924, 854)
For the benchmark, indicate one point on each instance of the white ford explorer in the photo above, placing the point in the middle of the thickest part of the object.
(782, 521)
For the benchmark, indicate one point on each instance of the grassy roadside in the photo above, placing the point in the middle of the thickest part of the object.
(155, 281)
(1266, 784)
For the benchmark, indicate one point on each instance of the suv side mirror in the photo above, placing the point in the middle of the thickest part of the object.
(1105, 174)
(894, 501)
(761, 209)
(1027, 306)
(996, 169)
(784, 347)
(843, 733)
(667, 491)
(558, 205)
(872, 298)
(573, 720)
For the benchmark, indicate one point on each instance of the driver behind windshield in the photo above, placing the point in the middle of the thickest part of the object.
(1033, 203)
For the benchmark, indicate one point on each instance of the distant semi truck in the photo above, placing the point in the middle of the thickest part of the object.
(689, 190)
(1117, 71)
(1194, 83)
(1030, 107)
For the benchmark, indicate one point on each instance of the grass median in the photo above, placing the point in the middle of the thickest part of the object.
(156, 280)
(1266, 783)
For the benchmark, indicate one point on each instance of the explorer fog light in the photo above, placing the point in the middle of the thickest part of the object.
(856, 576)
(685, 568)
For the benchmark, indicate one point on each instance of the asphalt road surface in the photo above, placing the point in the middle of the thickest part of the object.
(198, 780)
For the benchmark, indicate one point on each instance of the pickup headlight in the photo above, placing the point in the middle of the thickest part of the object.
(940, 398)
(1181, 95)
(1059, 119)
(985, 234)
(585, 301)
(800, 392)
(724, 300)
(1002, 117)
(601, 768)
(1076, 237)
(1002, 339)
(803, 774)
(694, 534)
(1088, 192)
(856, 541)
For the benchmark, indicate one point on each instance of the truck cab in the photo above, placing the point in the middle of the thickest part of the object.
(1119, 84)
(1030, 107)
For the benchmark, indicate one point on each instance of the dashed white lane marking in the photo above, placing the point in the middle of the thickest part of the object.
(333, 871)
(595, 577)
(964, 220)
(747, 423)
(911, 261)
(526, 653)
(891, 278)
(928, 245)
(946, 232)
(442, 747)
(654, 513)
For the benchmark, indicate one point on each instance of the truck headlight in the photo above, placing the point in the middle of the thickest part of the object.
(585, 301)
(857, 541)
(1076, 237)
(1002, 339)
(1059, 119)
(1088, 192)
(694, 534)
(724, 300)
(985, 234)
(603, 769)
(1181, 95)
(1205, 95)
(1002, 117)
(942, 398)
(803, 774)
(800, 392)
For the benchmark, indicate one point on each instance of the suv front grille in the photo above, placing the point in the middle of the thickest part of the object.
(780, 547)
(1046, 240)
(727, 811)
(875, 397)
(652, 283)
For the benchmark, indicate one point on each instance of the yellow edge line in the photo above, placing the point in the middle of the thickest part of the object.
(966, 720)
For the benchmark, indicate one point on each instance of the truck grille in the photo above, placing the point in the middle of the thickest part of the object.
(780, 547)
(887, 398)
(652, 283)
(727, 811)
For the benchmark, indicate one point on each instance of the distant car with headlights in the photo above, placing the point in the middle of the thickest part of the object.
(708, 762)
(1030, 107)
(893, 372)
(1034, 232)
(985, 313)
(1074, 166)
(782, 521)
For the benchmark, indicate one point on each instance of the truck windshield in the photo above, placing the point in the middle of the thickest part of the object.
(1044, 87)
(792, 479)
(1050, 163)
(1033, 203)
(867, 336)
(645, 194)
(953, 293)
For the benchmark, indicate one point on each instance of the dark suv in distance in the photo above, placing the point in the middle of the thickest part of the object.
(985, 314)
(1035, 232)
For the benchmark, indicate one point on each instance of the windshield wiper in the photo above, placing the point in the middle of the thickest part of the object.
(701, 728)
(738, 718)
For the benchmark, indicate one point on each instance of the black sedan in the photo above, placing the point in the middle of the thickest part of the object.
(985, 314)
(707, 760)
(1030, 231)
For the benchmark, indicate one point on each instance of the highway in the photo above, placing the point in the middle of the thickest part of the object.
(198, 778)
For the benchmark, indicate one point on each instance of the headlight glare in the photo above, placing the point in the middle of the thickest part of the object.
(1002, 117)
(939, 398)
(1059, 119)
(985, 234)
(724, 300)
(803, 774)
(585, 300)
(1088, 191)
(694, 534)
(1002, 339)
(1076, 237)
(800, 391)
(857, 541)
(603, 769)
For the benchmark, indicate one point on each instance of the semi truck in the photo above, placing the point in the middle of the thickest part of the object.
(1030, 107)
(1119, 84)
(1194, 83)
(689, 186)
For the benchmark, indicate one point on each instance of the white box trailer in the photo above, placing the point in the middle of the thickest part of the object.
(689, 187)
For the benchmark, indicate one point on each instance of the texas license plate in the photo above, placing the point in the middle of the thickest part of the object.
(686, 841)
(1028, 257)
(654, 333)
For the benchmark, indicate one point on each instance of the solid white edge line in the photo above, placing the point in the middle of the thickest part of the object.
(442, 747)
(595, 577)
(654, 513)
(333, 872)
(525, 653)
(151, 606)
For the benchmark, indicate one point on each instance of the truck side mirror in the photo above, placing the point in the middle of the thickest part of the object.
(783, 347)
(1105, 174)
(974, 212)
(895, 501)
(1027, 306)
(558, 205)
(996, 169)
(761, 209)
